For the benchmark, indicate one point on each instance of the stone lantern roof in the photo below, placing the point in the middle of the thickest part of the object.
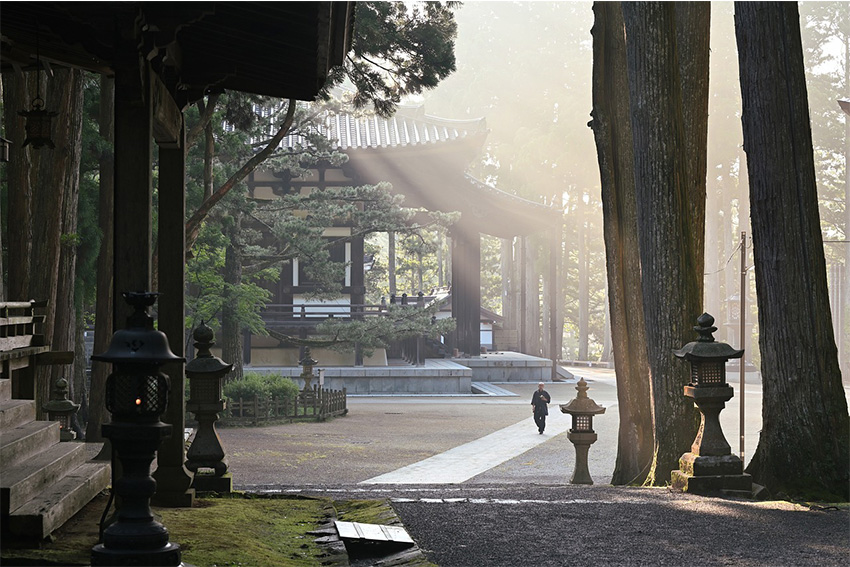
(581, 404)
(705, 348)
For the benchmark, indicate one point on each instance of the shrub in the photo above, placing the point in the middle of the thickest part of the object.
(252, 384)
(281, 388)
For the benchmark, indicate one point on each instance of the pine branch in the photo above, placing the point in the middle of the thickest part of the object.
(193, 225)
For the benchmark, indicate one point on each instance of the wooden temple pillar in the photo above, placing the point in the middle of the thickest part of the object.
(138, 94)
(466, 289)
(132, 189)
(173, 479)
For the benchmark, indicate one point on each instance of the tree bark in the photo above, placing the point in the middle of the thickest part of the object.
(42, 200)
(583, 286)
(103, 305)
(612, 131)
(671, 276)
(16, 96)
(231, 331)
(804, 446)
(69, 130)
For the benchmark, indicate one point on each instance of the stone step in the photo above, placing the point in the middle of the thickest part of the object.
(5, 389)
(60, 501)
(22, 482)
(24, 441)
(16, 412)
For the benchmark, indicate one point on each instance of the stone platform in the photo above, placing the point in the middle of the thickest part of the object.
(437, 376)
(507, 366)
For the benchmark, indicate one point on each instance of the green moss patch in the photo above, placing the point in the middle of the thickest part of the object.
(238, 530)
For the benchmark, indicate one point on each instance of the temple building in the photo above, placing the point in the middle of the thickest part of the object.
(425, 159)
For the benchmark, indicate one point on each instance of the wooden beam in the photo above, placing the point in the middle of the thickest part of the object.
(133, 167)
(56, 357)
(167, 118)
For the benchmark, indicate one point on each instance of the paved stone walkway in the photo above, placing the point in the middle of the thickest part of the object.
(476, 457)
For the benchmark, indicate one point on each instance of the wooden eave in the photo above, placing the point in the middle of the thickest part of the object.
(282, 49)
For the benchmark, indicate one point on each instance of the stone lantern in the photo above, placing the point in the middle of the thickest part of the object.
(581, 434)
(60, 409)
(307, 363)
(710, 466)
(205, 373)
(136, 395)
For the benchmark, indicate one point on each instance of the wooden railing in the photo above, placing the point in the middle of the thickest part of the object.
(318, 404)
(19, 325)
(314, 312)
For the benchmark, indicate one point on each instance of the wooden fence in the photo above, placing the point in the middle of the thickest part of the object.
(317, 404)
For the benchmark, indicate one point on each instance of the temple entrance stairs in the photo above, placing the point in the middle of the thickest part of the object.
(43, 482)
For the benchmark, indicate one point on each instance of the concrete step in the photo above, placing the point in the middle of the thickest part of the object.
(24, 441)
(5, 389)
(26, 480)
(58, 502)
(489, 389)
(16, 412)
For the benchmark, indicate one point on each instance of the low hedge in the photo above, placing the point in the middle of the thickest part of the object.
(263, 386)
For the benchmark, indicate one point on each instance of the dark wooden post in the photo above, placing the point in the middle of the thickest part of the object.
(466, 289)
(172, 478)
(133, 152)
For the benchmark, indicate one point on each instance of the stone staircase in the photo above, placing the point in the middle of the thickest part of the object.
(42, 482)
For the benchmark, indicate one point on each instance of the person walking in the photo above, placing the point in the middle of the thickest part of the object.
(540, 407)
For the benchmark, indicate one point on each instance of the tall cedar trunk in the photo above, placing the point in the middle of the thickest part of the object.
(80, 385)
(613, 134)
(39, 181)
(804, 447)
(103, 328)
(693, 25)
(533, 291)
(16, 96)
(546, 296)
(583, 286)
(69, 129)
(231, 331)
(844, 318)
(670, 275)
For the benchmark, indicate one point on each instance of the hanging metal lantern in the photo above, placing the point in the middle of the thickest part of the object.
(38, 120)
(38, 125)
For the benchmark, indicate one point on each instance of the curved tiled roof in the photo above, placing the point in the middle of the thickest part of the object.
(408, 126)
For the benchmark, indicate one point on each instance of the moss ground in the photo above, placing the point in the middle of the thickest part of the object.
(241, 529)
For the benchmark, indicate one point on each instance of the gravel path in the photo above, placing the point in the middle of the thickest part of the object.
(524, 511)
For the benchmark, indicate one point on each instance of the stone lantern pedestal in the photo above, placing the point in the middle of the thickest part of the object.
(205, 373)
(710, 467)
(581, 434)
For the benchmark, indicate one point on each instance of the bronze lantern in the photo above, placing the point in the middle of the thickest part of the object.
(136, 395)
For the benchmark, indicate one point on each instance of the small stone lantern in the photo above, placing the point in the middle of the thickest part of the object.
(60, 409)
(136, 395)
(205, 373)
(308, 362)
(710, 466)
(581, 434)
